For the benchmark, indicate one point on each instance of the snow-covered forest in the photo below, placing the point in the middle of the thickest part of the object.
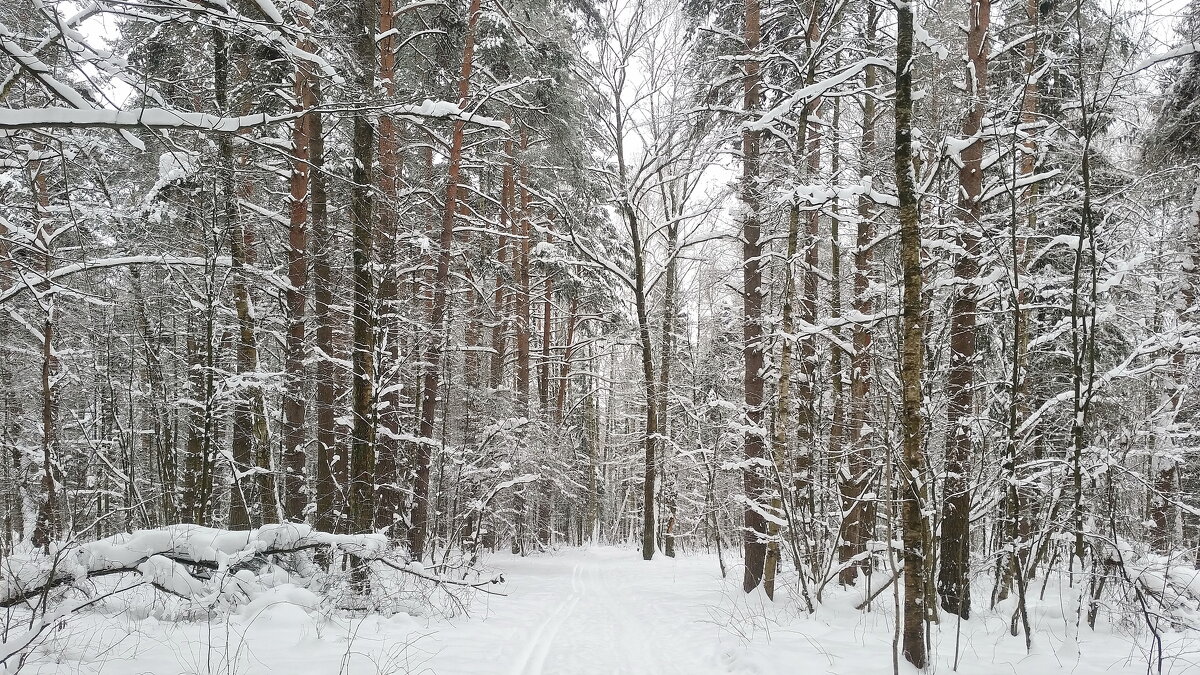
(599, 336)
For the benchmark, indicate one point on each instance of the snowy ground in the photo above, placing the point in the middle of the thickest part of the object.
(598, 611)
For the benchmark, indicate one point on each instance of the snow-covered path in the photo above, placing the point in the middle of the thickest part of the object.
(599, 611)
(592, 611)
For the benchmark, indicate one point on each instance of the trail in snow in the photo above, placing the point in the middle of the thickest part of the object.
(592, 612)
(533, 659)
(595, 611)
(601, 629)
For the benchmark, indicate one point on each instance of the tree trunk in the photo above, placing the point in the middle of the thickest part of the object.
(1016, 529)
(362, 356)
(46, 525)
(912, 350)
(432, 360)
(295, 484)
(500, 299)
(858, 513)
(954, 583)
(668, 498)
(524, 320)
(546, 500)
(389, 498)
(753, 484)
(809, 138)
(651, 435)
(331, 469)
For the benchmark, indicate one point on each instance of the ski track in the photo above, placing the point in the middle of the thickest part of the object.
(533, 657)
(603, 626)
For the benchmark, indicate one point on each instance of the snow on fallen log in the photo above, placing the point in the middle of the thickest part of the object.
(162, 556)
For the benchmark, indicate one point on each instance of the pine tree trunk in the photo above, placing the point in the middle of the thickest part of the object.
(362, 356)
(753, 483)
(437, 313)
(859, 512)
(294, 497)
(954, 583)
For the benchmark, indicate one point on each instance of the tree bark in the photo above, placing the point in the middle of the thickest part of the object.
(294, 496)
(670, 282)
(432, 360)
(912, 349)
(46, 525)
(500, 299)
(389, 498)
(524, 320)
(954, 583)
(362, 357)
(753, 484)
(331, 470)
(857, 512)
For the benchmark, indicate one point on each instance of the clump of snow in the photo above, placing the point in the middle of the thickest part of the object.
(170, 576)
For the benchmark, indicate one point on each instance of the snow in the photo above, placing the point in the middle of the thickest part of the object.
(270, 10)
(153, 552)
(1169, 55)
(157, 118)
(170, 576)
(447, 110)
(804, 95)
(593, 611)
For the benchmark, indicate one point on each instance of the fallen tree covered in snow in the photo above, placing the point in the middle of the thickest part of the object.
(209, 572)
(188, 560)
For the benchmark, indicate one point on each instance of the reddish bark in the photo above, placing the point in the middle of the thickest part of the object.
(437, 311)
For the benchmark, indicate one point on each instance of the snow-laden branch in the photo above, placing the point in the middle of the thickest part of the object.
(164, 118)
(29, 281)
(445, 110)
(804, 95)
(42, 73)
(1177, 53)
(138, 118)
